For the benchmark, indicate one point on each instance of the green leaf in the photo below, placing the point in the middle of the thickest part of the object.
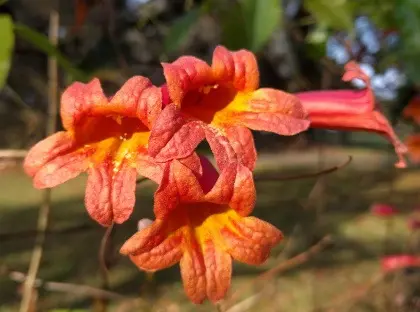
(41, 42)
(250, 23)
(7, 40)
(261, 19)
(180, 29)
(407, 14)
(333, 13)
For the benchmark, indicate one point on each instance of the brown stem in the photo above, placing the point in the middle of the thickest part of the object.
(44, 209)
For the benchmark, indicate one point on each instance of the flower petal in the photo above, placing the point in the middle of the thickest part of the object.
(61, 169)
(46, 150)
(223, 188)
(242, 142)
(238, 68)
(173, 136)
(148, 167)
(218, 264)
(251, 239)
(413, 145)
(79, 99)
(220, 146)
(178, 184)
(137, 98)
(163, 256)
(123, 190)
(110, 196)
(398, 262)
(274, 111)
(185, 74)
(244, 194)
(152, 249)
(193, 273)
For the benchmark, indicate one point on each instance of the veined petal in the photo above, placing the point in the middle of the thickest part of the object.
(173, 136)
(193, 273)
(413, 145)
(46, 150)
(178, 184)
(220, 146)
(152, 249)
(186, 73)
(136, 98)
(242, 142)
(61, 169)
(222, 189)
(78, 100)
(251, 240)
(274, 111)
(110, 196)
(244, 194)
(237, 68)
(218, 265)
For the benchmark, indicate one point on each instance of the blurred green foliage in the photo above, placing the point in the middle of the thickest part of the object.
(6, 47)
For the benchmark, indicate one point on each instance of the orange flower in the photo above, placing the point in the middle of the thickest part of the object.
(412, 110)
(106, 138)
(413, 145)
(202, 222)
(350, 110)
(220, 102)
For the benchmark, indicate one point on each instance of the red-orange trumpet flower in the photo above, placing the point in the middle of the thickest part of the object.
(221, 103)
(202, 222)
(350, 110)
(105, 137)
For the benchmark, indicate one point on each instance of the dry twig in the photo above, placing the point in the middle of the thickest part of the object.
(44, 209)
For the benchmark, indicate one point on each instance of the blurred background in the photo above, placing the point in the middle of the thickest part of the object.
(351, 236)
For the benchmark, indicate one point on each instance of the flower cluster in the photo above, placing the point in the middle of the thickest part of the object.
(202, 214)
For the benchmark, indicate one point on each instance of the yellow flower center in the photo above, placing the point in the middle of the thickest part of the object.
(214, 104)
(112, 138)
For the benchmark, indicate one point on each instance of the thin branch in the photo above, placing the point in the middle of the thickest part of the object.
(272, 177)
(12, 153)
(284, 266)
(103, 252)
(44, 210)
(31, 233)
(81, 290)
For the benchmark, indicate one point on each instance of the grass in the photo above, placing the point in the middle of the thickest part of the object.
(303, 214)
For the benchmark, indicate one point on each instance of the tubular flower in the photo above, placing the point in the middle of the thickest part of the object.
(412, 110)
(202, 222)
(397, 262)
(105, 137)
(221, 103)
(350, 110)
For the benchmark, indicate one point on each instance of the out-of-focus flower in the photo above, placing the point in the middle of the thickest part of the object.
(202, 222)
(383, 210)
(413, 223)
(413, 145)
(220, 103)
(412, 110)
(105, 137)
(398, 262)
(353, 110)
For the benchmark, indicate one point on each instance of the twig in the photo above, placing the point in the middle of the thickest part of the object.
(271, 177)
(81, 290)
(285, 265)
(103, 252)
(12, 153)
(31, 233)
(44, 209)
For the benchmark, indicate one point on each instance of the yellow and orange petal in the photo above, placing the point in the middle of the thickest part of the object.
(106, 138)
(220, 101)
(203, 237)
